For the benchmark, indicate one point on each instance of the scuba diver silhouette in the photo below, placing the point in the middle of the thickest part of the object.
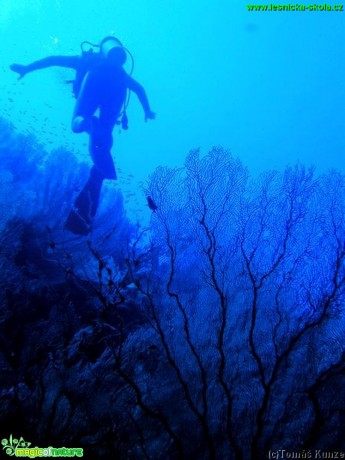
(102, 84)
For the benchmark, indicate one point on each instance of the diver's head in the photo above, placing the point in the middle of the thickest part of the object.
(117, 56)
(112, 50)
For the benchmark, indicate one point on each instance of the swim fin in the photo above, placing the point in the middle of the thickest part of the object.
(76, 224)
(79, 220)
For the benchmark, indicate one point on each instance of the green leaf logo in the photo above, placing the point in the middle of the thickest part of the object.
(10, 445)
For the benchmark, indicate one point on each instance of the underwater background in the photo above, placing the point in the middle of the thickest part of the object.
(211, 326)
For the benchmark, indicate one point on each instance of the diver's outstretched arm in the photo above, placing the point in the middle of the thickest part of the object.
(139, 90)
(71, 62)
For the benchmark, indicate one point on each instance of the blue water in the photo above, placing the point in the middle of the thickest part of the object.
(223, 308)
(269, 86)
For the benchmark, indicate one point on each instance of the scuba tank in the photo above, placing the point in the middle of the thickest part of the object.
(89, 59)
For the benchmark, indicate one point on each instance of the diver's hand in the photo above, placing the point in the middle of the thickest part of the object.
(149, 115)
(20, 69)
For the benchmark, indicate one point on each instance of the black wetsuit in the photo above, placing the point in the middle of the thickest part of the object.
(99, 85)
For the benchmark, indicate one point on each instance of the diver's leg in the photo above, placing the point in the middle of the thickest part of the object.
(101, 142)
(85, 206)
